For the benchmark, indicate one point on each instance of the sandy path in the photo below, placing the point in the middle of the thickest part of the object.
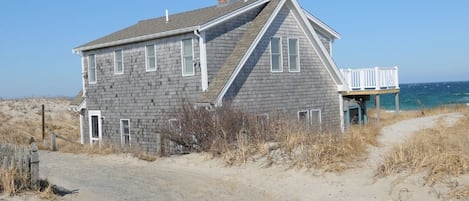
(125, 178)
(191, 177)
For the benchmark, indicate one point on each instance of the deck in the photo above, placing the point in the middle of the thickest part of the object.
(371, 81)
(366, 82)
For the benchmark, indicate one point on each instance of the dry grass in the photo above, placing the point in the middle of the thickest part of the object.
(439, 153)
(12, 183)
(238, 136)
(328, 151)
(21, 119)
(388, 118)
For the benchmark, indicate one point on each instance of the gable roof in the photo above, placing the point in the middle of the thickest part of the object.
(185, 22)
(248, 43)
(158, 27)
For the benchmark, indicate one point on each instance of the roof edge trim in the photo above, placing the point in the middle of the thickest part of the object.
(219, 99)
(322, 24)
(231, 15)
(135, 39)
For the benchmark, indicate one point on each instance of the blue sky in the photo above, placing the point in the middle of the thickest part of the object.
(428, 40)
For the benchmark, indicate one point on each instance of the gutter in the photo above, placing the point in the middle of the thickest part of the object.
(134, 39)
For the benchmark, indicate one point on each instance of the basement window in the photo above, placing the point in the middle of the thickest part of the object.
(316, 120)
(175, 126)
(303, 116)
(125, 132)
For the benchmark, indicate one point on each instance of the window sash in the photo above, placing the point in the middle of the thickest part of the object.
(187, 57)
(118, 62)
(150, 57)
(293, 58)
(125, 132)
(92, 68)
(276, 54)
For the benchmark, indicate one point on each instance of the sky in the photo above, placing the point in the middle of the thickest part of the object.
(427, 39)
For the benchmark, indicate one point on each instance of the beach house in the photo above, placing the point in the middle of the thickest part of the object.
(263, 56)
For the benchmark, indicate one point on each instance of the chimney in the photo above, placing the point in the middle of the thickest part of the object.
(226, 2)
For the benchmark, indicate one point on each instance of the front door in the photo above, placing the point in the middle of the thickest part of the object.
(95, 121)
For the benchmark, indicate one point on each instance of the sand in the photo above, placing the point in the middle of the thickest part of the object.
(194, 177)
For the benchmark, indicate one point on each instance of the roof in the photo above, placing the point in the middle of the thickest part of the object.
(183, 22)
(226, 71)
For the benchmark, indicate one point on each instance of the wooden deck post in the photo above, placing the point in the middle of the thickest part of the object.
(378, 108)
(396, 98)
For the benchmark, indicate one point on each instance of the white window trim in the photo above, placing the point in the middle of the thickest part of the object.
(95, 70)
(297, 56)
(100, 133)
(147, 69)
(115, 62)
(307, 115)
(281, 55)
(320, 117)
(122, 132)
(182, 58)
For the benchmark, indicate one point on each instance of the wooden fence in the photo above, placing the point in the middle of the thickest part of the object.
(25, 159)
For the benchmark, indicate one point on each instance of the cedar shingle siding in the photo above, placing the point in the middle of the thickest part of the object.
(148, 99)
(257, 89)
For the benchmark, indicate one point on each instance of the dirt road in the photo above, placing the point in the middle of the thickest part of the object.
(193, 177)
(125, 178)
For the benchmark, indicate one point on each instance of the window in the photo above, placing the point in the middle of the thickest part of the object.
(125, 132)
(303, 116)
(276, 54)
(91, 68)
(175, 125)
(150, 54)
(293, 58)
(316, 119)
(118, 62)
(187, 57)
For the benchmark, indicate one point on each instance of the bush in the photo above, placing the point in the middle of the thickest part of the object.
(236, 136)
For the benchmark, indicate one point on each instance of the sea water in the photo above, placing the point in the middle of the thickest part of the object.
(426, 95)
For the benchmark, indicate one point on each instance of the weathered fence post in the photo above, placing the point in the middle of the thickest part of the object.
(53, 143)
(34, 164)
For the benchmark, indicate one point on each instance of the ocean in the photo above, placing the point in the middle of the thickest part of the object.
(426, 95)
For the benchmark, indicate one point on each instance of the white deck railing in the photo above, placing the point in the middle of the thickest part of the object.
(377, 78)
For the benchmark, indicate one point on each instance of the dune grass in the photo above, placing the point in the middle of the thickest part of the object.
(439, 153)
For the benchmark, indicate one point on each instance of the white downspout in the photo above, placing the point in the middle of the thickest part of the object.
(341, 106)
(82, 137)
(83, 74)
(203, 59)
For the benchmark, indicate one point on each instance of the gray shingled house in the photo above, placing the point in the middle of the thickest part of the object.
(259, 55)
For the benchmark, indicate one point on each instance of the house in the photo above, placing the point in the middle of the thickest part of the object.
(260, 55)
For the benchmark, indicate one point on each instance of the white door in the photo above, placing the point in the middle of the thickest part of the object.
(95, 121)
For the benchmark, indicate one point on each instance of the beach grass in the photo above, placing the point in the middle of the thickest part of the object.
(439, 153)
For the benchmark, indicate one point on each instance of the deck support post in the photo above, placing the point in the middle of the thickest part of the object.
(396, 98)
(378, 108)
